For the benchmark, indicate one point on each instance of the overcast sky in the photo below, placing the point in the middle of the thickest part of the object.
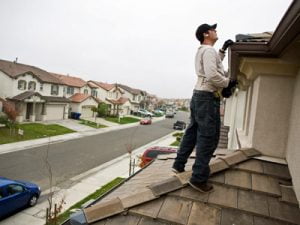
(146, 44)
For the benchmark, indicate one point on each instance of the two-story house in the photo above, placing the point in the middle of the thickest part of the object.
(135, 96)
(113, 96)
(82, 95)
(37, 94)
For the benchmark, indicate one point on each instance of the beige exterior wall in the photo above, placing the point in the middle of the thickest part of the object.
(102, 94)
(77, 107)
(293, 142)
(6, 84)
(269, 127)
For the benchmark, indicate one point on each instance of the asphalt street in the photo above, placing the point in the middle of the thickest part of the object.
(70, 158)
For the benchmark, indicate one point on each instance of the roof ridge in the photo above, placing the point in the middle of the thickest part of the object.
(155, 190)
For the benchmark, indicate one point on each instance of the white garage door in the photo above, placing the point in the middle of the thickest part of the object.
(86, 112)
(55, 112)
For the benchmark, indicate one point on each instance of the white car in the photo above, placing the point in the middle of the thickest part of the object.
(169, 114)
(145, 113)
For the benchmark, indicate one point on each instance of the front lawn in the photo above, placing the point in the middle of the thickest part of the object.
(123, 120)
(91, 124)
(32, 131)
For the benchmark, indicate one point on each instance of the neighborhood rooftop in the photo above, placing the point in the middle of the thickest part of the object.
(247, 190)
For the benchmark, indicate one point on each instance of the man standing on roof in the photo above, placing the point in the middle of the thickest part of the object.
(204, 128)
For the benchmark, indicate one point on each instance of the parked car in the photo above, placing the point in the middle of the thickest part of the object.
(153, 152)
(16, 195)
(169, 114)
(179, 125)
(144, 113)
(158, 112)
(146, 121)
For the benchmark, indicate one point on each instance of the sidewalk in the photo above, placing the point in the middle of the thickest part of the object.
(85, 184)
(82, 131)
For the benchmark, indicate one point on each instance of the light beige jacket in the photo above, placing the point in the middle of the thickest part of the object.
(209, 69)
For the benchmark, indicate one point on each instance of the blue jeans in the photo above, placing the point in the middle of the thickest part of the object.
(202, 132)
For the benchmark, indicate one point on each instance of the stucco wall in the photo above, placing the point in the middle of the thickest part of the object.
(6, 83)
(27, 78)
(77, 107)
(293, 143)
(102, 94)
(272, 107)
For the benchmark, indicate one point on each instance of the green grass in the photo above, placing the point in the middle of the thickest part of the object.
(32, 131)
(178, 134)
(175, 143)
(91, 124)
(98, 193)
(123, 120)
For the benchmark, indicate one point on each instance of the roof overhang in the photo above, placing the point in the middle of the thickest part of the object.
(285, 34)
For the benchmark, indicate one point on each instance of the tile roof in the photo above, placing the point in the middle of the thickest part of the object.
(119, 101)
(70, 80)
(27, 94)
(14, 70)
(105, 86)
(55, 99)
(24, 95)
(257, 37)
(246, 191)
(79, 97)
(92, 85)
(129, 89)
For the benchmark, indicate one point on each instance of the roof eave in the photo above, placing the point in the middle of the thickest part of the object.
(286, 31)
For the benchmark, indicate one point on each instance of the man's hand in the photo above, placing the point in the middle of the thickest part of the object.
(228, 91)
(227, 44)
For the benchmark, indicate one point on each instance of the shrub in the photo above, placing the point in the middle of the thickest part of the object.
(4, 120)
(102, 109)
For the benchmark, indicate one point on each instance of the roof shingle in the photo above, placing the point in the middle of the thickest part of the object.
(14, 70)
(70, 80)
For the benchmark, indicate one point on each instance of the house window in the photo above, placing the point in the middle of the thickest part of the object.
(139, 98)
(54, 89)
(117, 95)
(41, 87)
(21, 84)
(133, 98)
(31, 86)
(86, 91)
(94, 93)
(70, 90)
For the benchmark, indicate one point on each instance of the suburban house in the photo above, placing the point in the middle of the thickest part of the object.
(82, 95)
(83, 104)
(37, 94)
(112, 95)
(135, 96)
(256, 180)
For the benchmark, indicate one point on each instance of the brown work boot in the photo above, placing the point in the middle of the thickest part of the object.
(202, 187)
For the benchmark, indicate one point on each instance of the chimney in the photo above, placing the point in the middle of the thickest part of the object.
(16, 60)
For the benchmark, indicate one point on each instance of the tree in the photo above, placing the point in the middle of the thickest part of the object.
(10, 110)
(102, 109)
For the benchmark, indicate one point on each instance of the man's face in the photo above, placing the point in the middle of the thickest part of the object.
(212, 35)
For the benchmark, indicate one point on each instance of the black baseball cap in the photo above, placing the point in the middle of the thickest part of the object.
(203, 28)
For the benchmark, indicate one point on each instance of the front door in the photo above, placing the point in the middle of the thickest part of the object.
(29, 110)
